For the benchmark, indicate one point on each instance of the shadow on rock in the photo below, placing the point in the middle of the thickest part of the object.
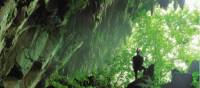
(144, 81)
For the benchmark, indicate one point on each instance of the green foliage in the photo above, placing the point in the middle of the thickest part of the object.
(159, 36)
(195, 79)
(107, 47)
(164, 40)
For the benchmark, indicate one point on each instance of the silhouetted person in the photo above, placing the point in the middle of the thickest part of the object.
(137, 62)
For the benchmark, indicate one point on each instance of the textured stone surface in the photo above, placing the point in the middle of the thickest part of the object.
(183, 80)
(58, 32)
(52, 31)
(194, 67)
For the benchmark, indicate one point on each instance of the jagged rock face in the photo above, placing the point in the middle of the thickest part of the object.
(36, 34)
(179, 80)
(183, 80)
(110, 17)
(194, 67)
(59, 34)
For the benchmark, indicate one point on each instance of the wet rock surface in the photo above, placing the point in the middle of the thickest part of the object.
(144, 81)
(178, 80)
(183, 80)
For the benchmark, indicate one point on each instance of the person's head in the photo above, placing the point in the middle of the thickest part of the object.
(138, 50)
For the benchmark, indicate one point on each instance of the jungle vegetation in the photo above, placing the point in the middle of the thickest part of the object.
(90, 43)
